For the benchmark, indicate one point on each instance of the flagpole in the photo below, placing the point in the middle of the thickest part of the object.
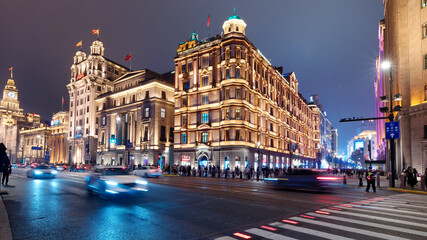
(62, 104)
(130, 63)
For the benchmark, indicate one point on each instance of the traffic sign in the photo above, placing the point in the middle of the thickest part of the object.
(392, 130)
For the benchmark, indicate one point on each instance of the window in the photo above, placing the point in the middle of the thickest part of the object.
(163, 133)
(163, 95)
(147, 95)
(227, 114)
(205, 62)
(184, 138)
(423, 3)
(205, 137)
(162, 113)
(190, 66)
(184, 120)
(227, 73)
(146, 134)
(104, 121)
(424, 30)
(71, 104)
(237, 113)
(205, 118)
(184, 102)
(186, 85)
(238, 93)
(205, 99)
(205, 81)
(88, 98)
(87, 109)
(147, 112)
(71, 114)
(425, 131)
(227, 135)
(238, 73)
(184, 68)
(237, 135)
(98, 88)
(171, 134)
(425, 93)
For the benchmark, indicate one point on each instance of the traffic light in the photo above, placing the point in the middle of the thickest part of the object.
(113, 138)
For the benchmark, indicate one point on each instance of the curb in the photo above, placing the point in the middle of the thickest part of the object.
(5, 231)
(408, 191)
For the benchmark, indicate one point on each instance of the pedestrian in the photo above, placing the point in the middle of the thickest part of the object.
(4, 161)
(370, 179)
(412, 179)
(6, 175)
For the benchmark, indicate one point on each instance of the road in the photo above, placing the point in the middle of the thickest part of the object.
(205, 208)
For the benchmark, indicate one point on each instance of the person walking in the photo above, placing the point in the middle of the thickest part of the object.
(412, 179)
(370, 180)
(6, 174)
(4, 161)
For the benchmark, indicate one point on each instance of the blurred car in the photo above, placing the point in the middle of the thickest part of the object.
(33, 165)
(60, 167)
(148, 171)
(306, 179)
(21, 165)
(78, 168)
(42, 171)
(114, 180)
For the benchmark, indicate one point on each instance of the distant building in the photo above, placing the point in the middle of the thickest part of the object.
(34, 144)
(59, 137)
(360, 144)
(135, 120)
(12, 119)
(334, 134)
(91, 76)
(234, 109)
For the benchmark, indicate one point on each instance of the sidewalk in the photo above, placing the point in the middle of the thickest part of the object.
(5, 231)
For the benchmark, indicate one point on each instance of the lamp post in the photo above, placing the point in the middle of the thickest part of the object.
(387, 66)
(369, 148)
(257, 166)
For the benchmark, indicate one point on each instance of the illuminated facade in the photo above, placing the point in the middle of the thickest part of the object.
(234, 109)
(135, 120)
(405, 46)
(59, 137)
(90, 76)
(12, 119)
(34, 144)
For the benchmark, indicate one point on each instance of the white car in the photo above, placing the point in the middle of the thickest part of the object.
(114, 180)
(148, 171)
(42, 171)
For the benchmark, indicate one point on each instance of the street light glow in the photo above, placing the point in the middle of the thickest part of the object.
(386, 65)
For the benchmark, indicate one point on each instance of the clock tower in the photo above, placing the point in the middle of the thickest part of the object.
(10, 96)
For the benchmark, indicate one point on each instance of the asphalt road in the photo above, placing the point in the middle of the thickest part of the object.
(199, 208)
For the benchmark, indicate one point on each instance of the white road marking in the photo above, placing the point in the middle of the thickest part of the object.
(398, 205)
(370, 224)
(309, 231)
(348, 229)
(385, 213)
(268, 235)
(387, 210)
(423, 225)
(226, 238)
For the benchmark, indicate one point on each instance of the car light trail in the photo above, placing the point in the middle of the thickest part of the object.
(322, 212)
(269, 228)
(345, 205)
(334, 208)
(244, 236)
(289, 221)
(311, 217)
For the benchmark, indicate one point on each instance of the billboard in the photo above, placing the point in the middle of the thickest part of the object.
(359, 144)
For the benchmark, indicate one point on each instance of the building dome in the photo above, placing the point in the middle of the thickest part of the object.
(10, 82)
(234, 24)
(79, 57)
(97, 48)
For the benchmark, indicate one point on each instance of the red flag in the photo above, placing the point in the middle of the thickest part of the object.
(128, 57)
(63, 100)
(11, 68)
(209, 20)
(33, 114)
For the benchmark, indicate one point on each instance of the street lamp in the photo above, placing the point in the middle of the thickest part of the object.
(259, 145)
(369, 148)
(386, 65)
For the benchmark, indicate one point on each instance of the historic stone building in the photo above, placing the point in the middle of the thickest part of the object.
(34, 144)
(90, 76)
(135, 120)
(234, 109)
(12, 119)
(403, 42)
(59, 137)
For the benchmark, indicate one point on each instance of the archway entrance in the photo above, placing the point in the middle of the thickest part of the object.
(203, 161)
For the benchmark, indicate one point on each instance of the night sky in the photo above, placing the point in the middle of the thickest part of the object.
(331, 45)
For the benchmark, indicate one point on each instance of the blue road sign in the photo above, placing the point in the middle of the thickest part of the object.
(392, 130)
(36, 148)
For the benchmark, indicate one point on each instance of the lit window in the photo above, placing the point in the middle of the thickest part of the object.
(423, 3)
(237, 113)
(184, 138)
(205, 99)
(186, 85)
(205, 62)
(227, 72)
(205, 137)
(147, 112)
(238, 73)
(104, 121)
(205, 81)
(205, 118)
(163, 113)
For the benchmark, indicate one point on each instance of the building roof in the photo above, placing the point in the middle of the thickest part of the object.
(234, 16)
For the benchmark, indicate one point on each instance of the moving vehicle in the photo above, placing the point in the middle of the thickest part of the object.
(148, 171)
(42, 171)
(307, 179)
(79, 168)
(114, 180)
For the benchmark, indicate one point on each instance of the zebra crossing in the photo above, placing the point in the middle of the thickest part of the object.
(399, 216)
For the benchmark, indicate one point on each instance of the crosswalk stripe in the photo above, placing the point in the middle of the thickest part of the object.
(226, 238)
(423, 225)
(309, 231)
(348, 229)
(399, 201)
(370, 224)
(388, 214)
(397, 205)
(268, 235)
(389, 210)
